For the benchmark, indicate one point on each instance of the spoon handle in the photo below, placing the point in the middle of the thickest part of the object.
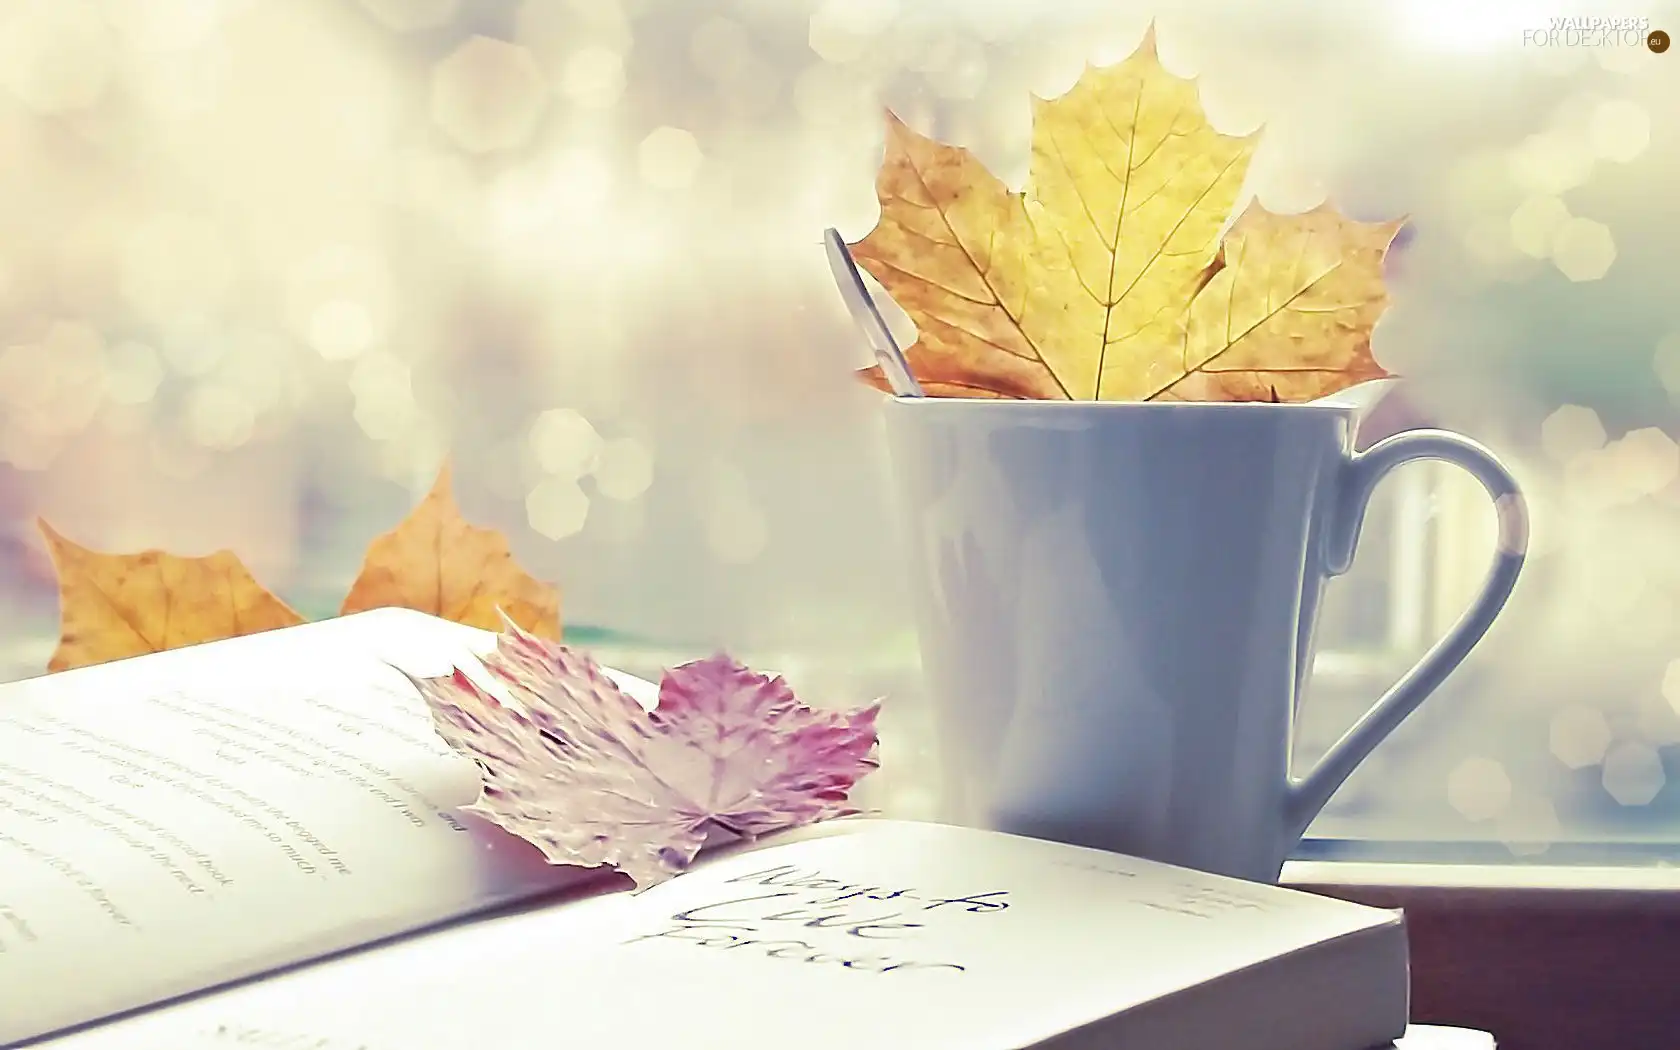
(861, 306)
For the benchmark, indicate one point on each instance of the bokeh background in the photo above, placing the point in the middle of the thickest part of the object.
(264, 263)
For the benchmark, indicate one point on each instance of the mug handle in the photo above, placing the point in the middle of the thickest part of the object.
(1308, 795)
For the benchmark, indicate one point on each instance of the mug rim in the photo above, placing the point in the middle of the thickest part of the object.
(1018, 404)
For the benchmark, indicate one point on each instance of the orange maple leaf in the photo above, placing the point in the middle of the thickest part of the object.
(113, 606)
(436, 562)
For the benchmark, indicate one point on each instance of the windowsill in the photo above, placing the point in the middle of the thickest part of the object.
(1565, 878)
(1547, 957)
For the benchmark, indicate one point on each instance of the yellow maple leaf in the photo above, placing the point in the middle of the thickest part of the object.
(113, 606)
(1107, 278)
(438, 563)
(1287, 312)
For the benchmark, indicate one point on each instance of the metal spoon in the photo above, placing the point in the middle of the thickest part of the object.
(862, 308)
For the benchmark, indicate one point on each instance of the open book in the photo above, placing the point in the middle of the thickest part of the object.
(176, 822)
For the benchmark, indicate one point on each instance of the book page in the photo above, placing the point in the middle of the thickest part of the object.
(185, 819)
(887, 934)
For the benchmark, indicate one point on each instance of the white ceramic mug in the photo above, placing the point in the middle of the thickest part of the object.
(1116, 608)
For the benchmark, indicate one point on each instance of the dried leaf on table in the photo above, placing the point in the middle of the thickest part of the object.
(113, 606)
(1109, 278)
(437, 562)
(583, 772)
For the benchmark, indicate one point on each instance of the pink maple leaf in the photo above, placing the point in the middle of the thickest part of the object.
(585, 773)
